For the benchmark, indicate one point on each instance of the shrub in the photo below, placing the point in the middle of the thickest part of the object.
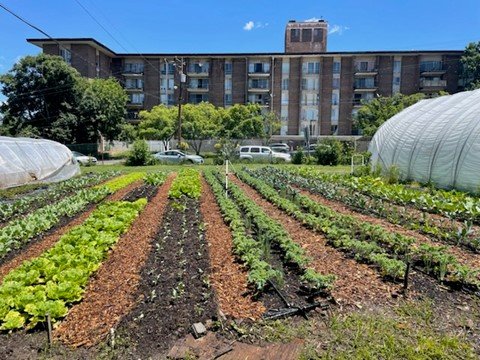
(140, 155)
(328, 152)
(392, 174)
(298, 156)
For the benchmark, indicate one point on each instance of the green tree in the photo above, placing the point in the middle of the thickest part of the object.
(241, 122)
(39, 90)
(373, 114)
(200, 122)
(101, 109)
(158, 124)
(471, 66)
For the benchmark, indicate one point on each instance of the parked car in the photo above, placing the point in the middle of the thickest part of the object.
(262, 153)
(280, 147)
(84, 159)
(178, 157)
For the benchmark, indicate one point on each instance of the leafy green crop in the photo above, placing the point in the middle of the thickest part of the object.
(155, 178)
(54, 192)
(51, 282)
(187, 183)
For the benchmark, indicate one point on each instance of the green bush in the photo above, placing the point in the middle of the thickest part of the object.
(298, 156)
(140, 154)
(328, 152)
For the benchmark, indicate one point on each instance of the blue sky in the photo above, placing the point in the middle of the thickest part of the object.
(240, 26)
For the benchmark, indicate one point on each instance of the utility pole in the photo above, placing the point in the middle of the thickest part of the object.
(183, 78)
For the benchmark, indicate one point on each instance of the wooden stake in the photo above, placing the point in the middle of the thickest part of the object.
(49, 330)
(405, 279)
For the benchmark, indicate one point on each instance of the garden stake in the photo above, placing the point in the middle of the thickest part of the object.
(405, 279)
(49, 330)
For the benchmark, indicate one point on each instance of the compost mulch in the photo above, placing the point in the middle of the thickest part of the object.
(228, 277)
(356, 283)
(36, 246)
(174, 289)
(111, 292)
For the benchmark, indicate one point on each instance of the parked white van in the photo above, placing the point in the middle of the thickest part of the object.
(262, 153)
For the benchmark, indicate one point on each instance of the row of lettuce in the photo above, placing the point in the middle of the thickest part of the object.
(17, 232)
(53, 193)
(373, 244)
(54, 281)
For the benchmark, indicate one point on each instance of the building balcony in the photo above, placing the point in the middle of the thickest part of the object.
(259, 74)
(432, 68)
(364, 88)
(366, 72)
(134, 88)
(197, 74)
(433, 84)
(134, 104)
(259, 89)
(201, 89)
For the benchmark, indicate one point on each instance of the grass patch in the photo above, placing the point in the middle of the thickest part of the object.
(410, 334)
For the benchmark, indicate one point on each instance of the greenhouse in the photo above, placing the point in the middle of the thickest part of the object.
(25, 161)
(435, 140)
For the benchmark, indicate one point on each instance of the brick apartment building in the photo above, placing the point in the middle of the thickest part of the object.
(306, 85)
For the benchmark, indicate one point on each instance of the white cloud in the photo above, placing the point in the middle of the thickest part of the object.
(337, 29)
(249, 26)
(254, 25)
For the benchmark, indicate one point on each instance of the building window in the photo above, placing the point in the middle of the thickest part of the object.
(258, 84)
(198, 84)
(169, 67)
(259, 67)
(66, 55)
(260, 99)
(336, 83)
(334, 129)
(167, 99)
(334, 115)
(306, 35)
(397, 66)
(228, 99)
(228, 84)
(137, 98)
(284, 98)
(285, 67)
(294, 35)
(396, 80)
(334, 99)
(285, 84)
(317, 35)
(311, 68)
(228, 68)
(426, 66)
(336, 67)
(134, 84)
(135, 68)
(197, 98)
(310, 83)
(310, 99)
(198, 67)
(363, 66)
(310, 114)
(365, 83)
(166, 84)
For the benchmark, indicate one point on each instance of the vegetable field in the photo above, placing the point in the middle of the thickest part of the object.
(290, 261)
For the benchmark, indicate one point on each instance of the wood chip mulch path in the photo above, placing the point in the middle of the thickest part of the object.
(228, 277)
(36, 248)
(463, 256)
(356, 284)
(112, 291)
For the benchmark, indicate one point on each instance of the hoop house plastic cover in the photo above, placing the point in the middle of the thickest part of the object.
(25, 161)
(435, 140)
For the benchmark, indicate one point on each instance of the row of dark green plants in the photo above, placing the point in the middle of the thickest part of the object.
(441, 230)
(269, 232)
(372, 243)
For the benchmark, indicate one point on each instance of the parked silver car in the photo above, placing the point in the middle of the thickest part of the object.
(280, 147)
(84, 159)
(262, 153)
(178, 157)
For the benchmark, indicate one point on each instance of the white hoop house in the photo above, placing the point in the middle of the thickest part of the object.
(25, 161)
(435, 140)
